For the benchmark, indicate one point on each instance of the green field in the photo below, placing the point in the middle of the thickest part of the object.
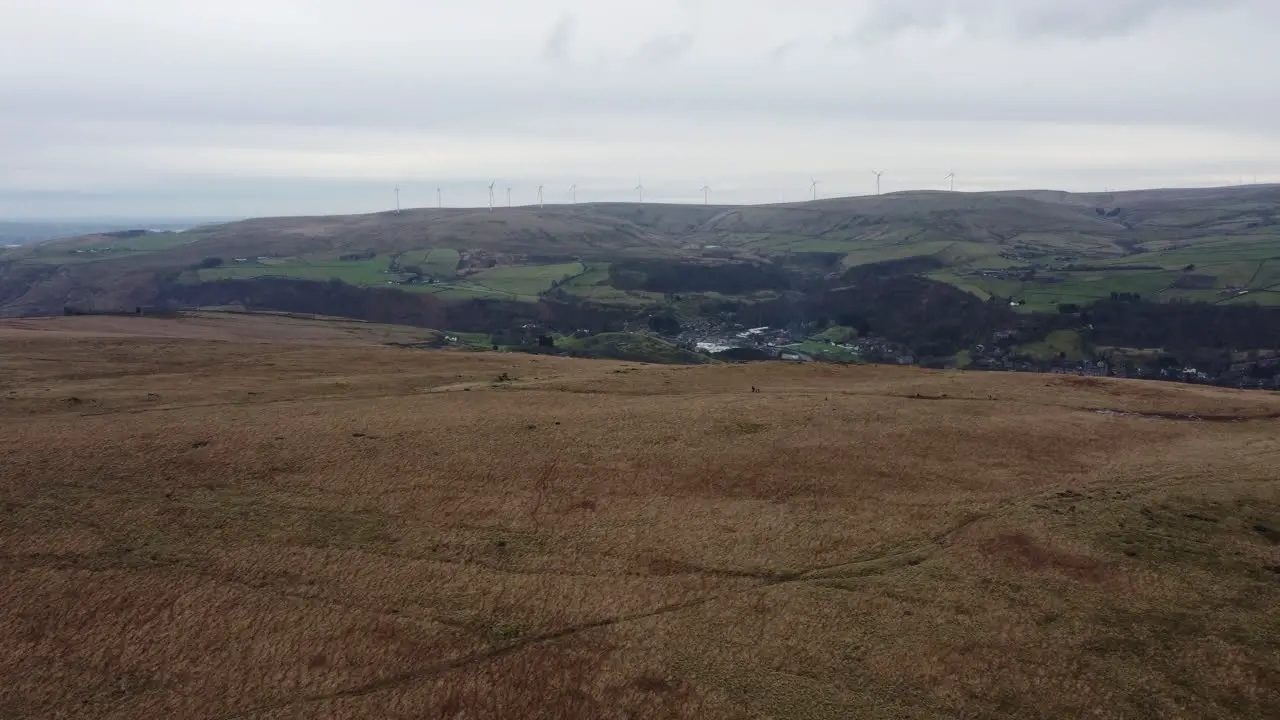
(1206, 269)
(1055, 344)
(1048, 289)
(837, 334)
(966, 284)
(593, 284)
(608, 295)
(592, 274)
(523, 283)
(528, 281)
(440, 263)
(143, 243)
(354, 272)
(152, 241)
(823, 350)
(470, 339)
(107, 249)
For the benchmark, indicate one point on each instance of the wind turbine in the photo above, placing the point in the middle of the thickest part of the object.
(539, 196)
(877, 173)
(495, 182)
(951, 176)
(706, 194)
(397, 199)
(508, 196)
(813, 188)
(640, 189)
(573, 193)
(439, 198)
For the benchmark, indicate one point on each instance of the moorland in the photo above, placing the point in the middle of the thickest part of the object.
(259, 516)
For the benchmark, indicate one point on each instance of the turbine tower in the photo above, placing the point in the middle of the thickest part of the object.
(508, 196)
(397, 199)
(951, 176)
(573, 193)
(640, 189)
(539, 196)
(706, 194)
(495, 182)
(877, 173)
(813, 188)
(439, 199)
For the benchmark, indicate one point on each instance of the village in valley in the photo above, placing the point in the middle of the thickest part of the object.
(1003, 353)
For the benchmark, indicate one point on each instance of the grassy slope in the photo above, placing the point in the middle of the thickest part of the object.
(526, 281)
(403, 535)
(523, 282)
(359, 272)
(593, 284)
(441, 262)
(20, 232)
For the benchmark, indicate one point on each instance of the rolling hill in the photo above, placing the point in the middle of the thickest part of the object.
(1042, 248)
(20, 232)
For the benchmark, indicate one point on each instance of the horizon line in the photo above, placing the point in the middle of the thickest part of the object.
(698, 201)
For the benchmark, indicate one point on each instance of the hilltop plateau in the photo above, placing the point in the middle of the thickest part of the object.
(254, 516)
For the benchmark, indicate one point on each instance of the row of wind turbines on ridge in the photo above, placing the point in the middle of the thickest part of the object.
(950, 178)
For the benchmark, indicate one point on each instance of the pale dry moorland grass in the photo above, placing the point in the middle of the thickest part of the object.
(206, 525)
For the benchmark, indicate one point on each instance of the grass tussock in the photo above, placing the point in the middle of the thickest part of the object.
(278, 530)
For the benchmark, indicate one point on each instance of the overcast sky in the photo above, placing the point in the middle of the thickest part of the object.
(258, 107)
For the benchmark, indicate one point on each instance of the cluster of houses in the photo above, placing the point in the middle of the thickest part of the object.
(767, 339)
(1259, 373)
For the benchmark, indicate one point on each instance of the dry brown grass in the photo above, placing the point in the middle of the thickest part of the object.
(201, 528)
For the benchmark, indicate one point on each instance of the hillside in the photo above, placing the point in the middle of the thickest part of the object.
(1042, 248)
(15, 232)
(252, 516)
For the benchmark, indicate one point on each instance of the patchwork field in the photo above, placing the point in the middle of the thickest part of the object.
(1216, 270)
(257, 517)
(520, 282)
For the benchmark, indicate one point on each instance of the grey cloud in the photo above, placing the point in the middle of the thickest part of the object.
(1023, 19)
(779, 52)
(288, 112)
(1115, 18)
(371, 105)
(886, 19)
(666, 48)
(560, 39)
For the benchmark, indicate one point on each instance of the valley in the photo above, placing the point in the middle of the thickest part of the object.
(1146, 279)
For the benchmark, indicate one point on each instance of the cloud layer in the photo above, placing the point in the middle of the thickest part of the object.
(314, 106)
